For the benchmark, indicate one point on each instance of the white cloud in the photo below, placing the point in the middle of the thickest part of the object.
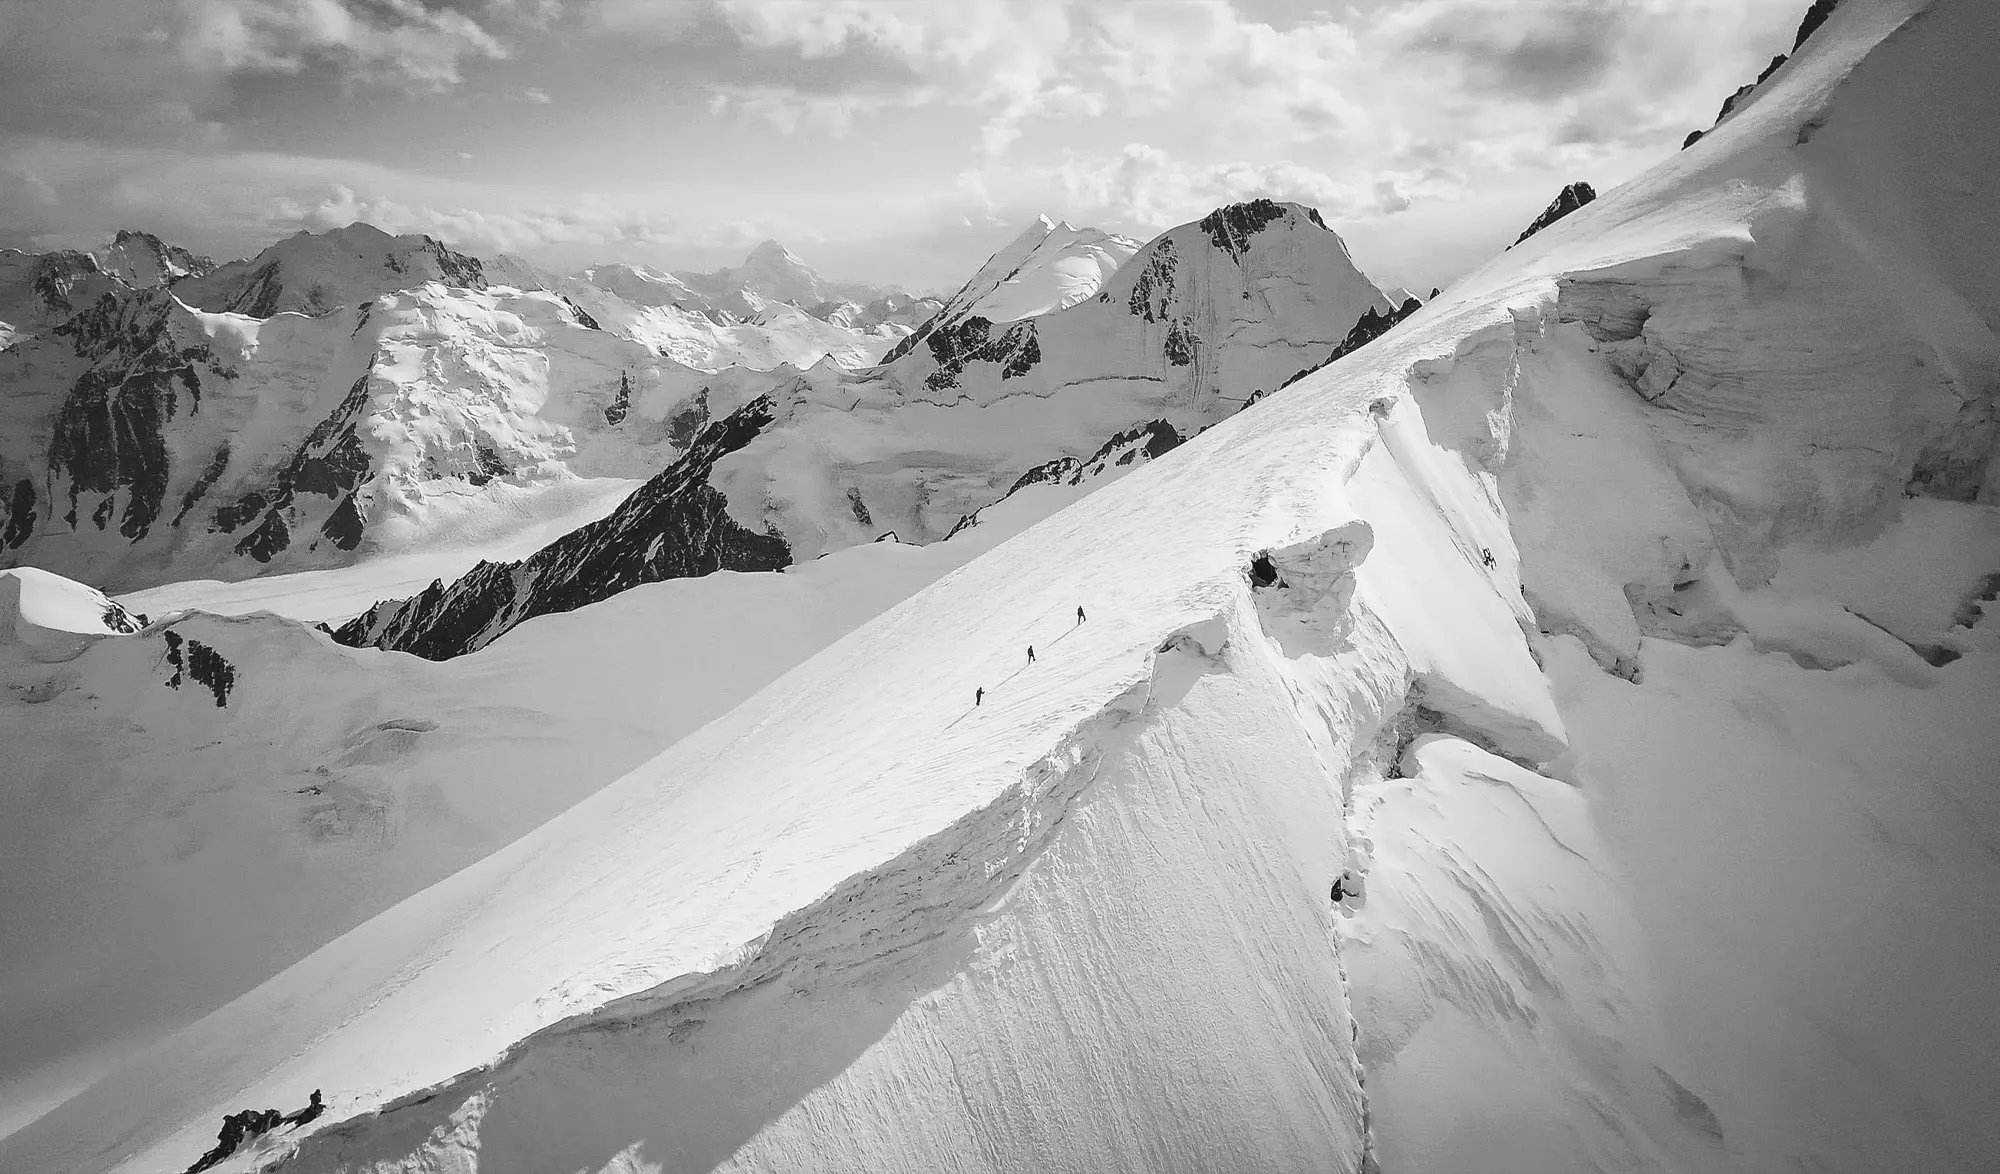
(395, 41)
(586, 222)
(1144, 185)
(537, 95)
(791, 111)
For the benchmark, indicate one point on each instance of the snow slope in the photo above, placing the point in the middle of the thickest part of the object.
(164, 853)
(1050, 266)
(1652, 853)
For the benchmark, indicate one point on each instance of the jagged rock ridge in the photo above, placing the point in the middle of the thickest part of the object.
(1815, 17)
(674, 526)
(1568, 200)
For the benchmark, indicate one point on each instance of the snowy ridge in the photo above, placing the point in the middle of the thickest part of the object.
(1048, 267)
(213, 855)
(1509, 746)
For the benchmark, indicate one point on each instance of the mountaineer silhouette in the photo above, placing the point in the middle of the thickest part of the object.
(1031, 654)
(978, 695)
(1079, 615)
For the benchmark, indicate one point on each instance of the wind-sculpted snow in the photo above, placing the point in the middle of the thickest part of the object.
(1510, 748)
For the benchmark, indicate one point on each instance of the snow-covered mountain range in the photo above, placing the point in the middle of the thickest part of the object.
(1553, 733)
(351, 394)
(1199, 320)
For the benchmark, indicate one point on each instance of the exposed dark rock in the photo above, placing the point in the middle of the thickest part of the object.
(489, 464)
(204, 665)
(1153, 439)
(190, 263)
(330, 463)
(971, 340)
(1180, 344)
(676, 525)
(859, 507)
(110, 429)
(1571, 198)
(621, 403)
(116, 618)
(1024, 357)
(1367, 328)
(683, 426)
(582, 319)
(20, 514)
(344, 525)
(1815, 17)
(1153, 291)
(210, 473)
(259, 295)
(1232, 227)
(237, 1128)
(57, 275)
(1264, 572)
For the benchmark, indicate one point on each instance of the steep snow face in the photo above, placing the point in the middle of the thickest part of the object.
(1217, 310)
(1049, 266)
(142, 260)
(52, 618)
(316, 273)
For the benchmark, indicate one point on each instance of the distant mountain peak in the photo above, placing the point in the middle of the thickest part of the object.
(772, 250)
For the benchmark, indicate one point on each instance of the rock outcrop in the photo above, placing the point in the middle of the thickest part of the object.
(677, 525)
(1568, 200)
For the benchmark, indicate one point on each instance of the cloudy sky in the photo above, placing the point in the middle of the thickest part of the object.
(886, 140)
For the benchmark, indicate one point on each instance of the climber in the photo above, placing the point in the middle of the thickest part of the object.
(978, 695)
(1031, 654)
(1079, 615)
(1486, 556)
